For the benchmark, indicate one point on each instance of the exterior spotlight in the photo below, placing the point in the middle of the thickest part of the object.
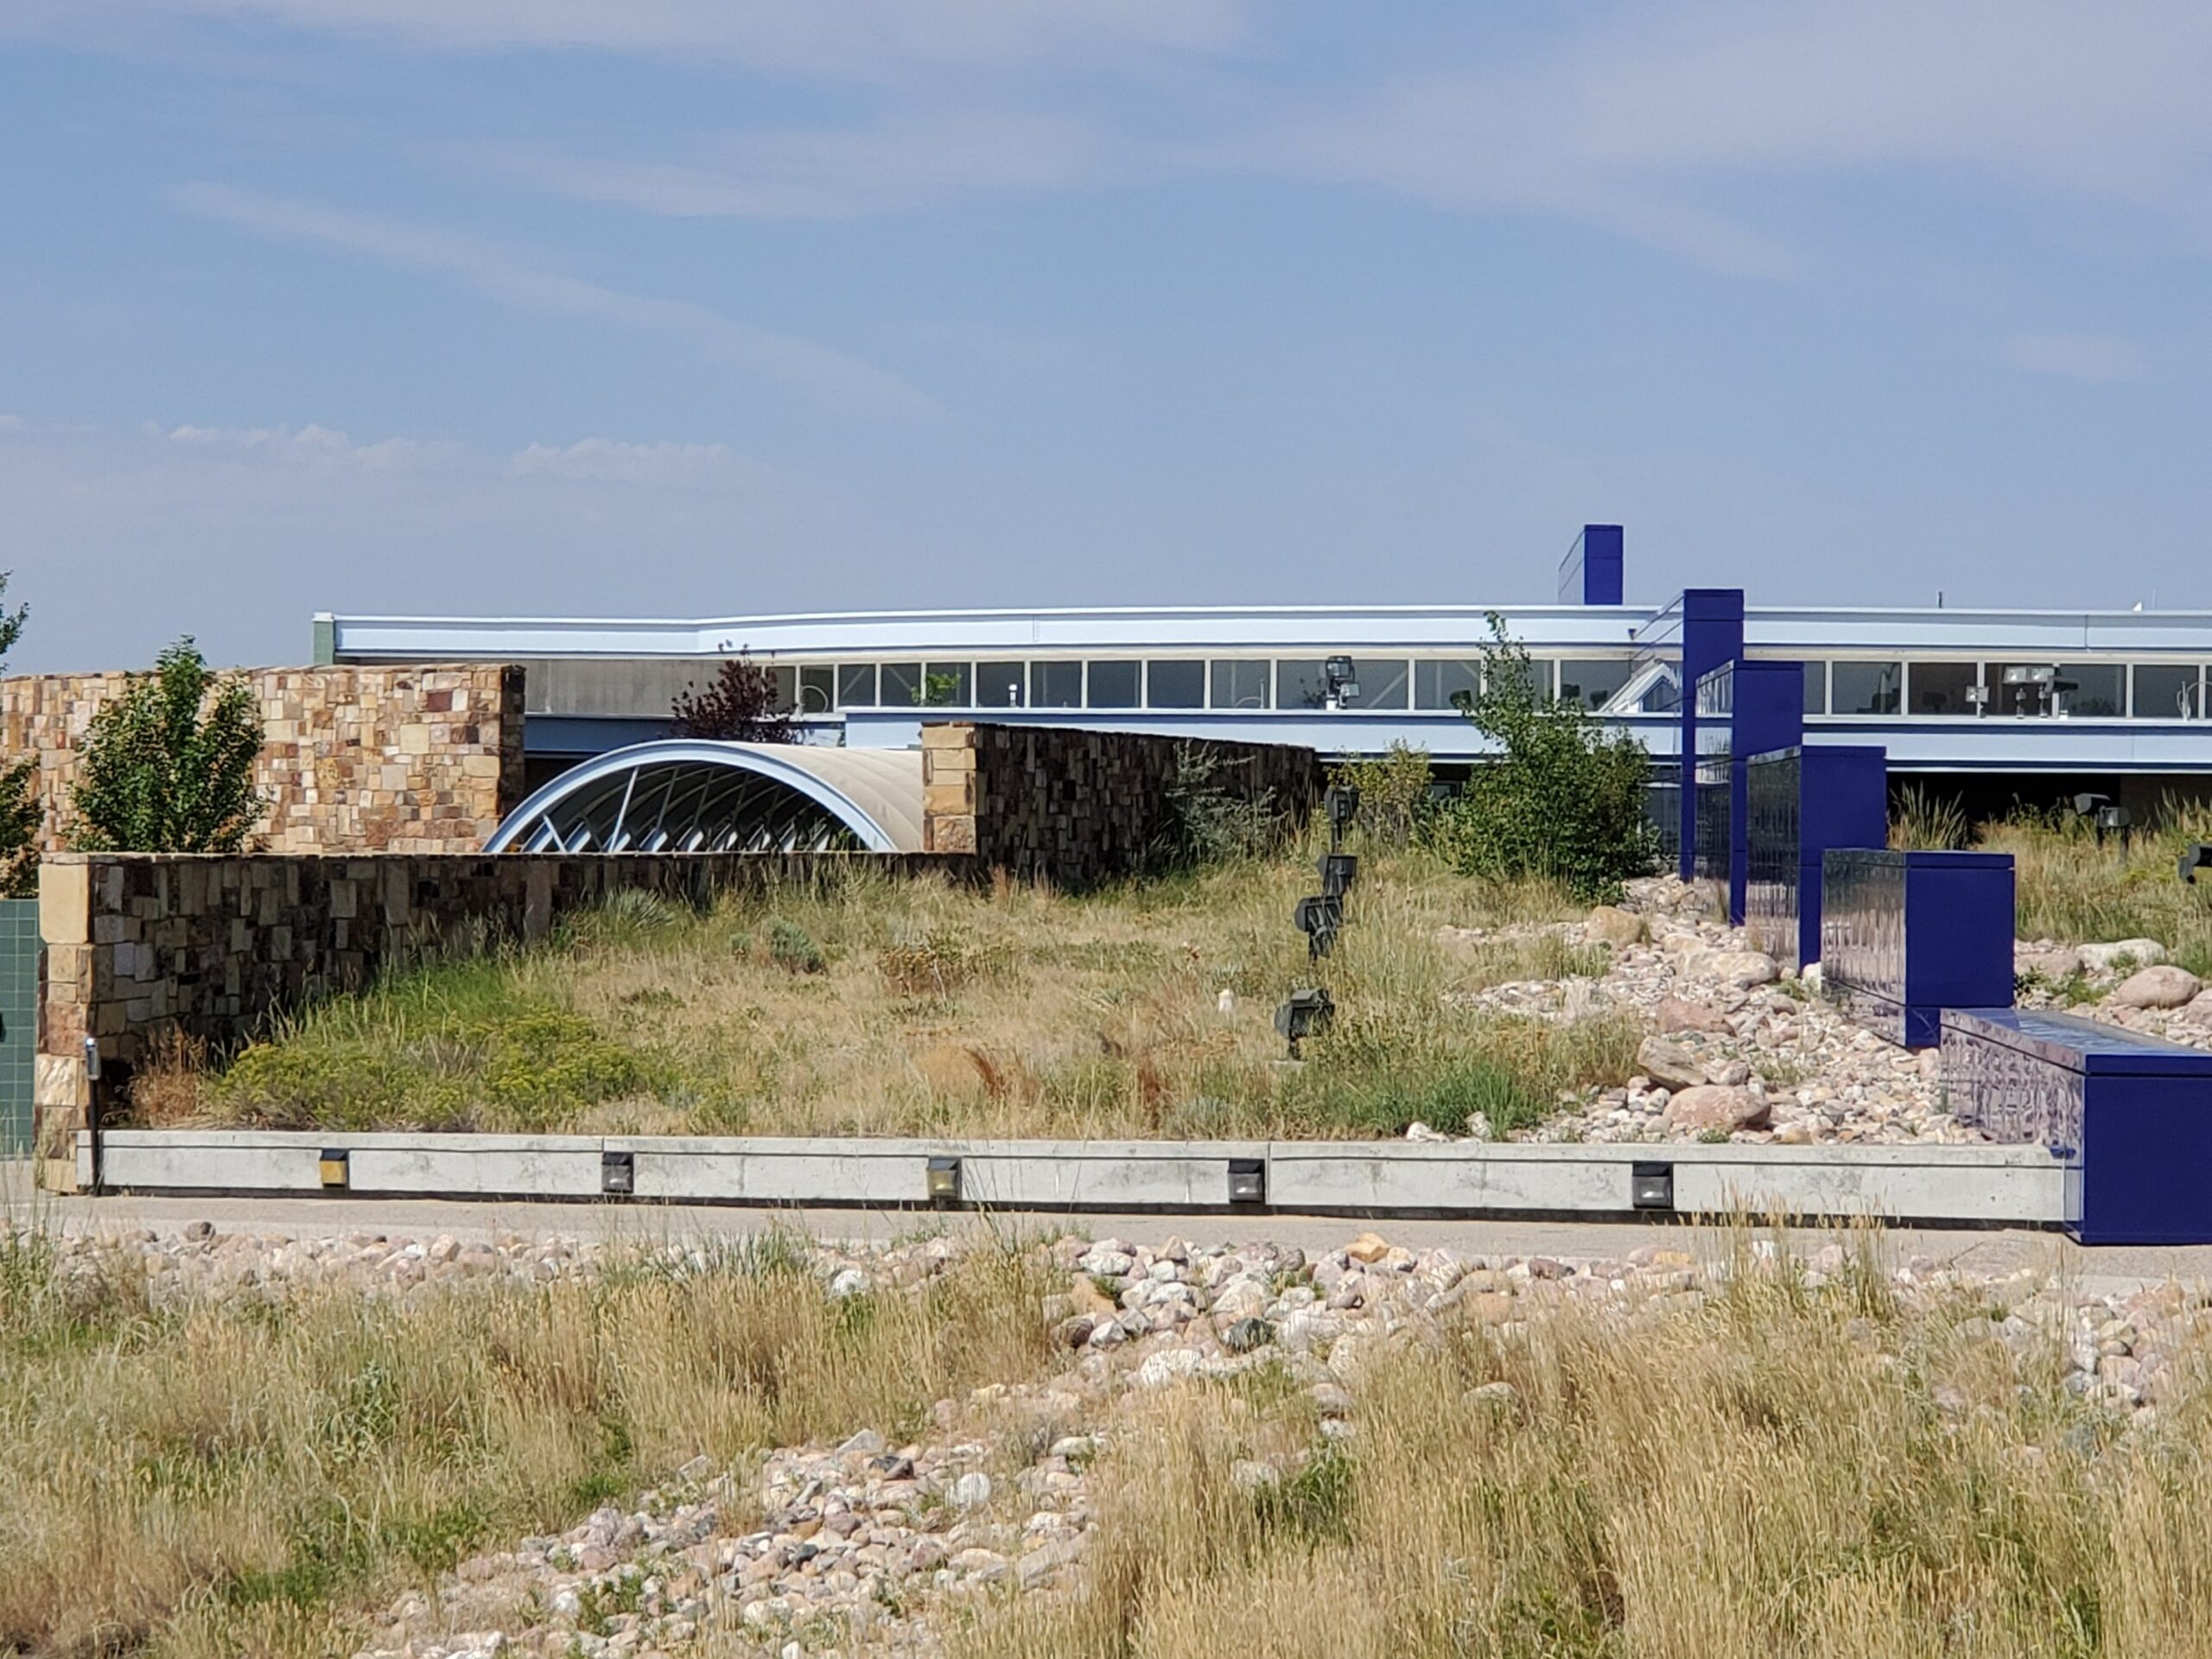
(1305, 1014)
(1248, 1180)
(2118, 820)
(1464, 701)
(944, 1180)
(1342, 681)
(2197, 855)
(1651, 1187)
(1342, 804)
(2086, 805)
(1318, 917)
(334, 1168)
(618, 1175)
(1338, 871)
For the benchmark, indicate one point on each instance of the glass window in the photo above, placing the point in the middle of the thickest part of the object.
(1816, 687)
(1114, 685)
(1299, 683)
(1866, 688)
(817, 689)
(902, 685)
(2168, 691)
(2092, 690)
(998, 685)
(1175, 685)
(1381, 682)
(1240, 683)
(945, 685)
(1588, 683)
(1056, 685)
(856, 685)
(1943, 689)
(1438, 680)
(786, 687)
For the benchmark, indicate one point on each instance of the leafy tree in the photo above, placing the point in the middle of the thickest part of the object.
(1565, 798)
(19, 813)
(738, 707)
(168, 767)
(1394, 791)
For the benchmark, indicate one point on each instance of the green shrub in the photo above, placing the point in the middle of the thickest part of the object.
(1214, 821)
(168, 767)
(1564, 799)
(1394, 791)
(792, 947)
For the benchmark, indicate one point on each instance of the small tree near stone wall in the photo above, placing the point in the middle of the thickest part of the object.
(168, 767)
(19, 807)
(738, 707)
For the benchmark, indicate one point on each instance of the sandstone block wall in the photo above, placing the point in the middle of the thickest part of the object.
(139, 944)
(414, 759)
(1078, 807)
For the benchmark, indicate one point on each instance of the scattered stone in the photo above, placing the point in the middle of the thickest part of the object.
(1716, 1106)
(1671, 1015)
(1610, 924)
(1368, 1248)
(2107, 958)
(2162, 986)
(1668, 1063)
(1743, 968)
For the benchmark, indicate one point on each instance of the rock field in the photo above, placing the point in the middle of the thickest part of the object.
(1739, 1051)
(866, 1545)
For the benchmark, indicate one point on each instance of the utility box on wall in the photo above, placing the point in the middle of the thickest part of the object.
(1905, 935)
(2129, 1115)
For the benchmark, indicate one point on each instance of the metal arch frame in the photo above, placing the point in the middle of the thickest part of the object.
(531, 815)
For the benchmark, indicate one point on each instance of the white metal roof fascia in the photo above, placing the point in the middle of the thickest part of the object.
(1025, 634)
(2009, 744)
(1815, 631)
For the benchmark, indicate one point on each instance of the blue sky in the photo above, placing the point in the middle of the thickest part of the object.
(708, 307)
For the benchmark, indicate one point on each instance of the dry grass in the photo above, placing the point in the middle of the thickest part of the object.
(2072, 890)
(234, 1477)
(1783, 1472)
(874, 1006)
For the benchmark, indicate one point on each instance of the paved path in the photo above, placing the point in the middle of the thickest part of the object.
(2104, 1271)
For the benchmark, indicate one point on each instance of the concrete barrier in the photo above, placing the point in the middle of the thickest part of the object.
(1977, 1184)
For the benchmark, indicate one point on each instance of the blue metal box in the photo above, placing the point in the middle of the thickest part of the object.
(2129, 1115)
(1905, 935)
(1801, 803)
(1744, 709)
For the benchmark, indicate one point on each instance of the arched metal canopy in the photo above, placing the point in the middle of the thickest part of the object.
(689, 795)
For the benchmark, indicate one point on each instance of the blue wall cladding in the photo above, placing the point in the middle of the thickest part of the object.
(1801, 803)
(1905, 935)
(2129, 1115)
(1714, 700)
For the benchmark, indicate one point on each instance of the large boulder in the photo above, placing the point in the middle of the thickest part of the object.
(1673, 1013)
(2104, 958)
(2054, 963)
(1742, 969)
(2164, 986)
(1669, 1064)
(1715, 1106)
(1610, 924)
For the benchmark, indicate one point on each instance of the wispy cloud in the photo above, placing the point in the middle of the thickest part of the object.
(864, 39)
(827, 374)
(2075, 356)
(902, 162)
(1634, 125)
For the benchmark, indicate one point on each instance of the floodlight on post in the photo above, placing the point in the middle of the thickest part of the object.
(2116, 820)
(1318, 917)
(2197, 856)
(1303, 1013)
(1338, 871)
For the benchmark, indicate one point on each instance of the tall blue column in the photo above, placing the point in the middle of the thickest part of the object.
(1713, 633)
(1768, 714)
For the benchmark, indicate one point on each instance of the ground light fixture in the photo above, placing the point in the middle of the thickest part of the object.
(1302, 1015)
(944, 1180)
(1338, 871)
(618, 1175)
(334, 1168)
(2197, 855)
(1248, 1180)
(1341, 804)
(1318, 917)
(1651, 1187)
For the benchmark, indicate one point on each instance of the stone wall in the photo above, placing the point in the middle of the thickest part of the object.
(141, 944)
(419, 758)
(1078, 807)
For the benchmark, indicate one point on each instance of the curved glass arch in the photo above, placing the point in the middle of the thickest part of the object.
(697, 796)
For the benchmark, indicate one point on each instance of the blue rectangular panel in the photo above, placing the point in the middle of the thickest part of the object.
(1713, 633)
(1592, 572)
(1773, 875)
(2131, 1115)
(1920, 931)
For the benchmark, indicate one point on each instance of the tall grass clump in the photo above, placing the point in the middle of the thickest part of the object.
(242, 1476)
(2071, 889)
(1781, 1470)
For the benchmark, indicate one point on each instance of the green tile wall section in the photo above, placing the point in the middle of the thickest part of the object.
(19, 948)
